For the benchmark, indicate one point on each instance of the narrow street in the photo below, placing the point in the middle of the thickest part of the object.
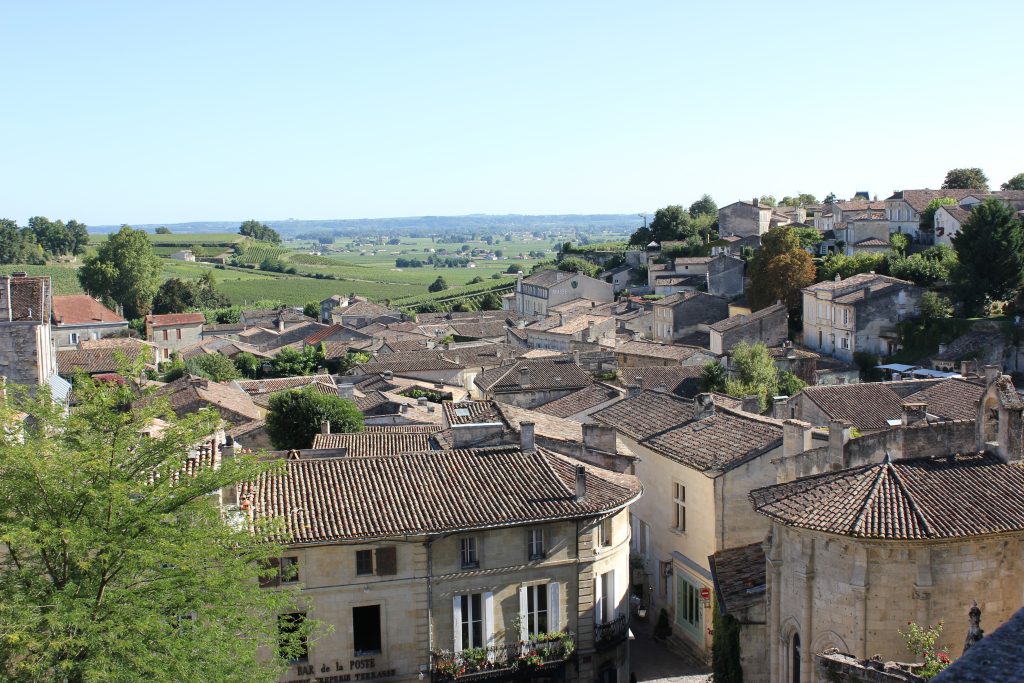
(653, 661)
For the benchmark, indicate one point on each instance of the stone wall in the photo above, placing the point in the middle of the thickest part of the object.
(22, 358)
(725, 276)
(771, 329)
(835, 667)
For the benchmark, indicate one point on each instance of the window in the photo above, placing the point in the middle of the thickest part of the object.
(291, 643)
(535, 544)
(795, 663)
(289, 569)
(846, 316)
(467, 552)
(384, 560)
(178, 330)
(604, 532)
(166, 354)
(606, 602)
(537, 609)
(689, 606)
(844, 343)
(470, 620)
(366, 630)
(364, 562)
(73, 337)
(679, 505)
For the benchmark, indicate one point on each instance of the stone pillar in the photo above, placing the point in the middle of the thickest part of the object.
(807, 618)
(923, 586)
(859, 583)
(773, 558)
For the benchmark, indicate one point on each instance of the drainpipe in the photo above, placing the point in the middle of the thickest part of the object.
(429, 543)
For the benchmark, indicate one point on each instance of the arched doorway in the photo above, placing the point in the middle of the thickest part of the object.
(794, 663)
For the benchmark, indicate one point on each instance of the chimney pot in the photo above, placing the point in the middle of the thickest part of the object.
(751, 404)
(915, 413)
(991, 373)
(581, 482)
(325, 427)
(524, 376)
(703, 406)
(526, 436)
(421, 401)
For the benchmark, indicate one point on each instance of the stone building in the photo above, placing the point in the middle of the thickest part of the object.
(860, 313)
(27, 354)
(769, 326)
(744, 219)
(911, 524)
(685, 313)
(698, 462)
(570, 331)
(529, 383)
(78, 317)
(174, 331)
(511, 561)
(638, 354)
(546, 288)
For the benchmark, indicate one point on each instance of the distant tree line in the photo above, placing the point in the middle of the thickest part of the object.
(41, 239)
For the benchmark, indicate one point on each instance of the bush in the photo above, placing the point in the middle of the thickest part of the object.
(725, 648)
(213, 366)
(294, 417)
(934, 305)
(438, 285)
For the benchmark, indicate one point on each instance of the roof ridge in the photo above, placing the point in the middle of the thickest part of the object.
(894, 473)
(858, 522)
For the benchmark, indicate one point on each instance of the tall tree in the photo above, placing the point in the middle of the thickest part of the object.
(830, 198)
(125, 271)
(117, 563)
(259, 231)
(294, 417)
(1014, 183)
(705, 206)
(768, 200)
(990, 247)
(753, 373)
(670, 223)
(779, 270)
(18, 245)
(927, 222)
(965, 179)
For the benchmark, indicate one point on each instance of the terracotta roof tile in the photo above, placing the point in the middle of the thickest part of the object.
(79, 309)
(168, 319)
(739, 575)
(580, 401)
(656, 350)
(375, 443)
(543, 373)
(870, 405)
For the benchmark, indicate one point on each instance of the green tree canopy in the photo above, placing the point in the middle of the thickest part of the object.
(259, 231)
(213, 366)
(116, 568)
(290, 362)
(779, 270)
(18, 245)
(178, 296)
(990, 247)
(965, 179)
(830, 198)
(163, 231)
(124, 271)
(311, 310)
(1014, 183)
(295, 416)
(768, 200)
(705, 206)
(57, 238)
(801, 199)
(753, 373)
(669, 223)
(490, 302)
(576, 264)
(927, 221)
(713, 377)
(438, 285)
(248, 364)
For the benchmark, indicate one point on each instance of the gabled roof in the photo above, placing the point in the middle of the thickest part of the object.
(323, 500)
(548, 277)
(29, 298)
(739, 575)
(361, 309)
(269, 386)
(681, 380)
(580, 401)
(743, 319)
(954, 496)
(376, 443)
(81, 309)
(655, 350)
(190, 393)
(870, 405)
(919, 199)
(169, 319)
(543, 373)
(96, 360)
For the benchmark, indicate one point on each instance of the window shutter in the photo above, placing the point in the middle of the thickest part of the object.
(387, 561)
(275, 580)
(457, 619)
(613, 607)
(524, 617)
(554, 609)
(488, 619)
(598, 599)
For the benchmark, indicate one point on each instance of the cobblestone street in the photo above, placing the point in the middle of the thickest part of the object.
(653, 661)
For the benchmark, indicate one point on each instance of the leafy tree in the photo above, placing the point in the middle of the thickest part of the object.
(514, 268)
(670, 223)
(18, 245)
(768, 200)
(926, 268)
(174, 296)
(213, 366)
(810, 238)
(475, 281)
(713, 377)
(790, 384)
(490, 302)
(343, 364)
(754, 373)
(705, 206)
(845, 266)
(934, 305)
(294, 417)
(291, 363)
(259, 231)
(965, 179)
(115, 567)
(125, 271)
(927, 221)
(830, 198)
(163, 231)
(575, 264)
(899, 243)
(779, 270)
(800, 200)
(990, 246)
(1014, 183)
(247, 364)
(438, 285)
(311, 309)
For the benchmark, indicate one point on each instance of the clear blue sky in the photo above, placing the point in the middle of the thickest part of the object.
(148, 112)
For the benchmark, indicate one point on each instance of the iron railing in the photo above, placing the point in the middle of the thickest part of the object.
(504, 662)
(612, 633)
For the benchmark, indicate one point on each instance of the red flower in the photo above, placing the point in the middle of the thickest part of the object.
(943, 657)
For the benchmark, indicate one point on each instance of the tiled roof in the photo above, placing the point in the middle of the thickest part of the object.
(374, 443)
(28, 298)
(370, 400)
(742, 319)
(919, 199)
(951, 399)
(410, 361)
(958, 213)
(871, 242)
(954, 496)
(646, 415)
(480, 330)
(739, 575)
(724, 440)
(580, 401)
(401, 429)
(855, 282)
(361, 309)
(544, 373)
(655, 350)
(269, 386)
(168, 319)
(682, 380)
(573, 323)
(324, 500)
(471, 412)
(190, 393)
(80, 309)
(867, 405)
(92, 361)
(547, 278)
(268, 317)
(323, 333)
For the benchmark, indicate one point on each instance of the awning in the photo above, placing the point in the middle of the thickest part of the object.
(896, 367)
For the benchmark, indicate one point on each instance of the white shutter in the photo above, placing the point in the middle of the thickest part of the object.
(554, 609)
(598, 599)
(488, 618)
(613, 608)
(457, 618)
(524, 618)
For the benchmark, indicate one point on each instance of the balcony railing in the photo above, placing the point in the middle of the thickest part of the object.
(504, 662)
(611, 634)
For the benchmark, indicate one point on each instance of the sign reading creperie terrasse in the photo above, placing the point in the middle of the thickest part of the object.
(326, 673)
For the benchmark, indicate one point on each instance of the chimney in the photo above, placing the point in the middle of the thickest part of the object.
(581, 482)
(635, 388)
(796, 437)
(403, 408)
(751, 404)
(599, 438)
(576, 356)
(347, 391)
(519, 281)
(439, 386)
(755, 201)
(325, 427)
(520, 324)
(779, 406)
(991, 374)
(526, 437)
(387, 375)
(422, 401)
(280, 323)
(561, 319)
(431, 343)
(915, 413)
(524, 376)
(838, 436)
(703, 406)
(590, 331)
(967, 368)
